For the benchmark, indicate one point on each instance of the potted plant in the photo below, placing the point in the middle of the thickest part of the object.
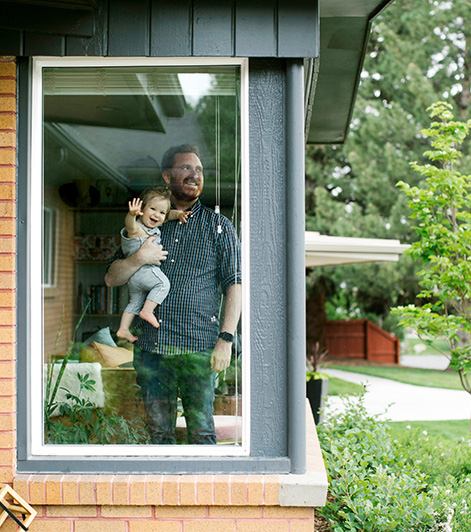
(317, 383)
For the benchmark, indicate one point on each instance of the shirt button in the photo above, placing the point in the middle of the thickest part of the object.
(180, 223)
(172, 260)
(176, 240)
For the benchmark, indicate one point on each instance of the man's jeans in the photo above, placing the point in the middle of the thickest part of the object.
(163, 378)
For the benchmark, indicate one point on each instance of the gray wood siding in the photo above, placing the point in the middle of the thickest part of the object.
(268, 298)
(171, 29)
(163, 28)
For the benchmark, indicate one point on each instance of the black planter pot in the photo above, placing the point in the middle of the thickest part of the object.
(316, 392)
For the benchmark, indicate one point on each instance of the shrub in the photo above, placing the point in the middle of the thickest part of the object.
(377, 482)
(372, 487)
(447, 465)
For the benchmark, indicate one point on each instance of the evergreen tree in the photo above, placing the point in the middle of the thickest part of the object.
(418, 54)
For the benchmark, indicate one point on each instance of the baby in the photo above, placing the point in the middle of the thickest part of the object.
(149, 286)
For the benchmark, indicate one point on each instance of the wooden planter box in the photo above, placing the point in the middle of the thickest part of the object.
(227, 405)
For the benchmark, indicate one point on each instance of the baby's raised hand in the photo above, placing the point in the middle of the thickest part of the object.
(135, 207)
(183, 215)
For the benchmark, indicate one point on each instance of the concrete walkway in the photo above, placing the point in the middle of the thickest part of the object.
(406, 402)
(425, 361)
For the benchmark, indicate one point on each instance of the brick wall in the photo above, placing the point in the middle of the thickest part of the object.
(160, 503)
(60, 296)
(7, 266)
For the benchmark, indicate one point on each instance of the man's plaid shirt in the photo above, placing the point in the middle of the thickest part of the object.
(201, 263)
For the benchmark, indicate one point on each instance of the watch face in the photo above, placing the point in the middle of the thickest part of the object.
(227, 337)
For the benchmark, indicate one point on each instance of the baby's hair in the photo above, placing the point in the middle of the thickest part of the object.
(150, 193)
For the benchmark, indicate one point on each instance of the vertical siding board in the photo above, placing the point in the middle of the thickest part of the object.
(43, 44)
(213, 33)
(171, 28)
(96, 45)
(48, 19)
(128, 28)
(268, 266)
(298, 28)
(183, 28)
(11, 42)
(255, 29)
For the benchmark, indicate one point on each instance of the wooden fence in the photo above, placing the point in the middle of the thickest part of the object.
(361, 339)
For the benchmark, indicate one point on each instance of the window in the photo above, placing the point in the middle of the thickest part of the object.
(49, 246)
(100, 130)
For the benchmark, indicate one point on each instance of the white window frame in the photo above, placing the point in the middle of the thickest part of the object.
(35, 202)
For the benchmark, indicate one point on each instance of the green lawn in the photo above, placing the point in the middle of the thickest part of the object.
(415, 346)
(418, 376)
(341, 387)
(449, 430)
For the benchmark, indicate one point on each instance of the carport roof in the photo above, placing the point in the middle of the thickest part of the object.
(323, 250)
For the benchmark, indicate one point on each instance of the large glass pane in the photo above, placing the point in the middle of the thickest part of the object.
(105, 132)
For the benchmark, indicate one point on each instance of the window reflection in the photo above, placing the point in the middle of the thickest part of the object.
(106, 131)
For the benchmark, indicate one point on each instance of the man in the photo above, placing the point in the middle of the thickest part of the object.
(180, 358)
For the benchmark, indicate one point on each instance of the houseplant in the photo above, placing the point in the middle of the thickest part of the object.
(317, 383)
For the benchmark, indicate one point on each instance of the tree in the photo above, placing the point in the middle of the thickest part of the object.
(418, 54)
(441, 208)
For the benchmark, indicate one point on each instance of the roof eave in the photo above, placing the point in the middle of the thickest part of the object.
(344, 35)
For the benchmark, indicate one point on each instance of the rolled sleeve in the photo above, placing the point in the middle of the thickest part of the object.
(229, 257)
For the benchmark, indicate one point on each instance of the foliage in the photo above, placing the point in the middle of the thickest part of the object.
(217, 117)
(80, 422)
(380, 482)
(447, 465)
(441, 208)
(72, 353)
(372, 487)
(314, 357)
(418, 53)
(229, 381)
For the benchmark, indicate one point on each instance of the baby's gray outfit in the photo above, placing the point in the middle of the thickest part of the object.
(149, 282)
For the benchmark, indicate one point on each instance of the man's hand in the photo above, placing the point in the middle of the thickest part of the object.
(221, 357)
(122, 269)
(149, 253)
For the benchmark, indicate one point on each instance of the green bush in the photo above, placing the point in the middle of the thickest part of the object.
(372, 488)
(380, 483)
(447, 465)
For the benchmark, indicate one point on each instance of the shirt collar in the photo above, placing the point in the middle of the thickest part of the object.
(194, 208)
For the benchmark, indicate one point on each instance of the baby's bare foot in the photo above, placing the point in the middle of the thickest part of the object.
(150, 317)
(126, 334)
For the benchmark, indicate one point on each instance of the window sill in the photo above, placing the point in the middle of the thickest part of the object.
(309, 489)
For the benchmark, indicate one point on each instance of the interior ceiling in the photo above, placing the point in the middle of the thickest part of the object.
(345, 28)
(64, 4)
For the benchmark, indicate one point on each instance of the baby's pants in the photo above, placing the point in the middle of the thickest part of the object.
(149, 282)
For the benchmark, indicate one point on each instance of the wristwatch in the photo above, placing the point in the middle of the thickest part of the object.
(227, 337)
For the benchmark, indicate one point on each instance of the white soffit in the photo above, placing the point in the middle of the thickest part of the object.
(322, 250)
